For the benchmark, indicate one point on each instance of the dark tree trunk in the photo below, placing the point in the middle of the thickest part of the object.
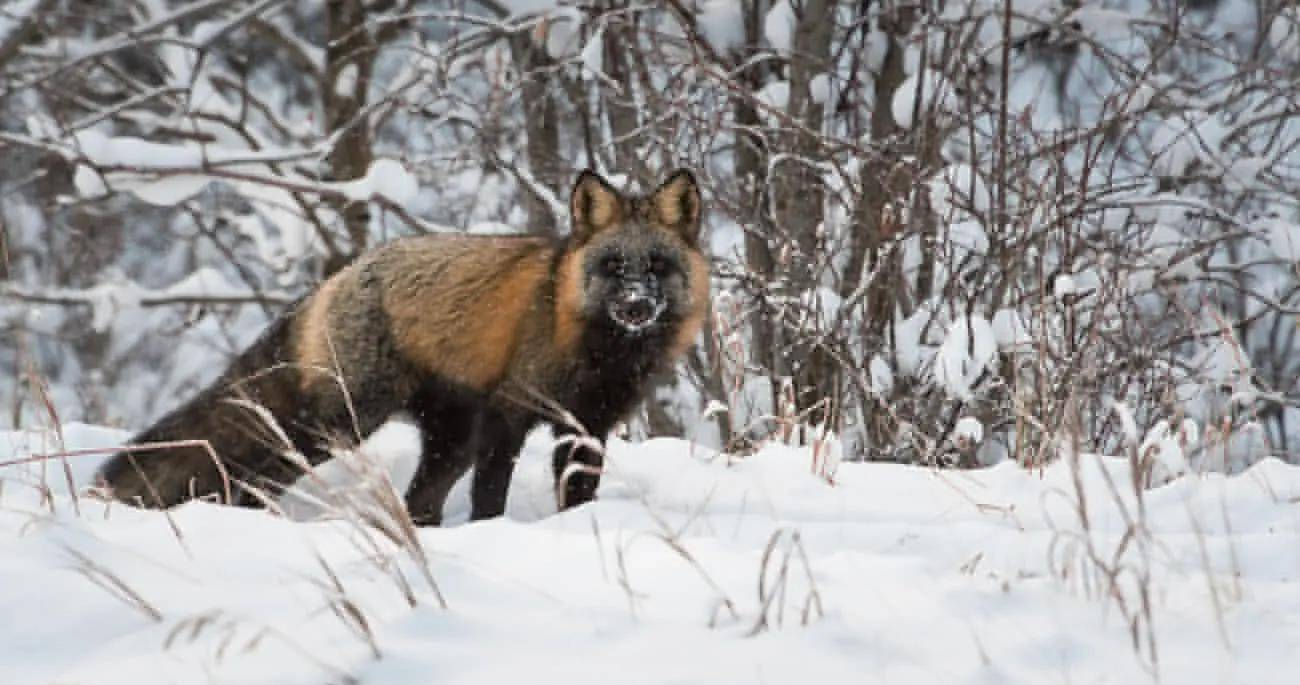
(541, 128)
(349, 63)
(799, 196)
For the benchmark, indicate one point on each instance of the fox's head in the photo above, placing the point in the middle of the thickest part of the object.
(635, 262)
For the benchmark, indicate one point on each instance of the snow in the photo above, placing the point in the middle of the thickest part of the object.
(1064, 286)
(1029, 95)
(1284, 33)
(131, 151)
(143, 160)
(881, 375)
(827, 452)
(1283, 238)
(387, 457)
(722, 24)
(110, 300)
(1009, 329)
(876, 49)
(1165, 244)
(903, 573)
(14, 15)
(205, 282)
(1178, 142)
(969, 238)
(779, 26)
(345, 84)
(526, 7)
(1127, 423)
(88, 182)
(563, 33)
(1221, 360)
(819, 88)
(967, 349)
(1164, 447)
(492, 228)
(593, 55)
(912, 350)
(169, 190)
(968, 429)
(1243, 174)
(385, 177)
(140, 161)
(1100, 23)
(959, 191)
(73, 435)
(774, 95)
(207, 31)
(905, 101)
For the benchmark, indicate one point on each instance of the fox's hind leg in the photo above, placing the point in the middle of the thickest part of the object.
(439, 470)
(447, 417)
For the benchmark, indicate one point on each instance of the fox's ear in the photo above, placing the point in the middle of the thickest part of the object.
(677, 205)
(593, 206)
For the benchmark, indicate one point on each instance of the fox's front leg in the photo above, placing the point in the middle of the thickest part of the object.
(498, 441)
(577, 464)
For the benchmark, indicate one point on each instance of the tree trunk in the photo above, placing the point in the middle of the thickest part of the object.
(622, 67)
(799, 197)
(886, 182)
(541, 128)
(752, 201)
(349, 63)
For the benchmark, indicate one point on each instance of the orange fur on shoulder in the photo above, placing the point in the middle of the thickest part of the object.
(568, 302)
(467, 329)
(690, 327)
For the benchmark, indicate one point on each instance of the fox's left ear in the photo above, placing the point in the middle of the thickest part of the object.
(594, 205)
(677, 205)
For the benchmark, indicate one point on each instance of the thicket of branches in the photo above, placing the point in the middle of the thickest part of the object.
(946, 231)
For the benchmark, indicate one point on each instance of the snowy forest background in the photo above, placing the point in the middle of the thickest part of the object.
(948, 232)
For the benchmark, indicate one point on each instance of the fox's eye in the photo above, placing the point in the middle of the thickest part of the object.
(659, 266)
(611, 266)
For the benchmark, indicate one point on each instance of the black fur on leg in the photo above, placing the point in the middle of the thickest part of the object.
(615, 370)
(500, 437)
(577, 467)
(447, 415)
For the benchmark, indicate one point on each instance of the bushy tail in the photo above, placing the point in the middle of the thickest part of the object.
(220, 440)
(177, 459)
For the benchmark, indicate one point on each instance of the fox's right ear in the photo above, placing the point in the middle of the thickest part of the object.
(593, 206)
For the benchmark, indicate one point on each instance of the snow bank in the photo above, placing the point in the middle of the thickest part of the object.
(903, 574)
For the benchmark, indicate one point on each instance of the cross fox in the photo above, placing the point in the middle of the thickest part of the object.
(480, 338)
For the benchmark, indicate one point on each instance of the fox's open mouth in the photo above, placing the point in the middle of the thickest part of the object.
(636, 314)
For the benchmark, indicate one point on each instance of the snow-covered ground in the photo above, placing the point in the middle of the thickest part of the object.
(691, 568)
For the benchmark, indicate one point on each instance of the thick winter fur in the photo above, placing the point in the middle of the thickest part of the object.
(480, 338)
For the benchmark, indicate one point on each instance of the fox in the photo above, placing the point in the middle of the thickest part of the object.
(478, 338)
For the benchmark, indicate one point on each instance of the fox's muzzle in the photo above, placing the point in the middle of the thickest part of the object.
(636, 307)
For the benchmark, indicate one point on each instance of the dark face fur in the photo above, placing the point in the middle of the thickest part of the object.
(638, 280)
(635, 269)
